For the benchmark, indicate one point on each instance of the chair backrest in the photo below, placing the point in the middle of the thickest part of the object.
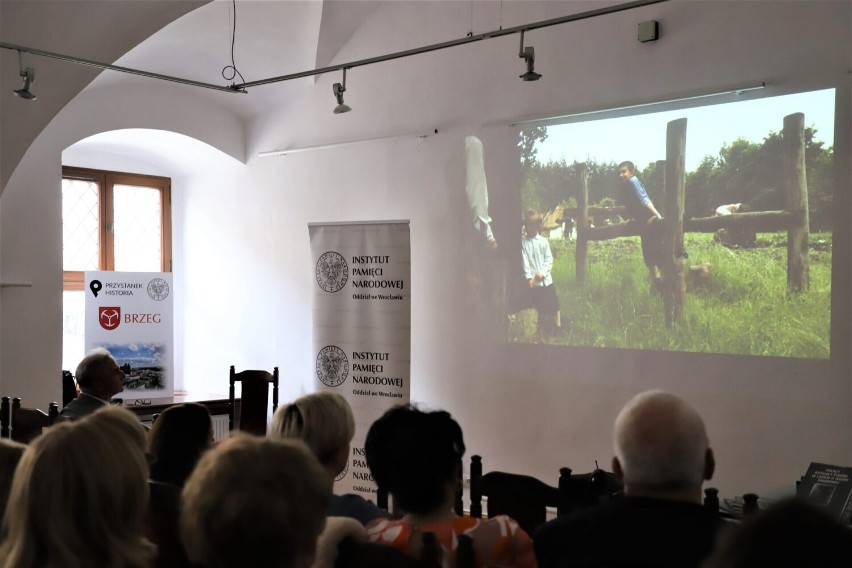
(357, 554)
(27, 423)
(589, 489)
(522, 497)
(5, 417)
(254, 399)
(69, 388)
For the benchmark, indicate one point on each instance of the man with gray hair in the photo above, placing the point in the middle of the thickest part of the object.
(662, 458)
(99, 378)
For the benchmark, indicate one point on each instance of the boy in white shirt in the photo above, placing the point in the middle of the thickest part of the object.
(538, 262)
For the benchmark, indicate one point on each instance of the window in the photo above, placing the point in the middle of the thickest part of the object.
(114, 221)
(110, 221)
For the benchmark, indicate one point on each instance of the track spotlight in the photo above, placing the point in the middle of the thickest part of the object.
(28, 76)
(338, 94)
(528, 54)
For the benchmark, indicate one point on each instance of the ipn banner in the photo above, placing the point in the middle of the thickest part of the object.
(362, 326)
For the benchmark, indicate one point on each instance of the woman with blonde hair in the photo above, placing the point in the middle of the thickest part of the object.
(253, 501)
(324, 421)
(78, 496)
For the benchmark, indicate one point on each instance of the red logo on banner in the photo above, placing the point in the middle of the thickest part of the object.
(109, 318)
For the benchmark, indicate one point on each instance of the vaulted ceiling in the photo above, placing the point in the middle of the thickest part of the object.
(189, 39)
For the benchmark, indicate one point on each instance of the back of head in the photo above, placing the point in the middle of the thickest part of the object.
(791, 533)
(414, 455)
(323, 420)
(93, 365)
(661, 445)
(254, 502)
(176, 441)
(79, 495)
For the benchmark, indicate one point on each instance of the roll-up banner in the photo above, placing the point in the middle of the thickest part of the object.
(362, 326)
(131, 315)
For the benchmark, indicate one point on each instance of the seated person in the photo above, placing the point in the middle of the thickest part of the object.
(416, 456)
(254, 501)
(791, 532)
(99, 378)
(176, 441)
(662, 457)
(10, 454)
(78, 496)
(324, 421)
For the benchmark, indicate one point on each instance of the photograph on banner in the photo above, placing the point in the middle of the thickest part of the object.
(131, 315)
(362, 327)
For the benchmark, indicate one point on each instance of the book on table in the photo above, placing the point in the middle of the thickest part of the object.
(829, 486)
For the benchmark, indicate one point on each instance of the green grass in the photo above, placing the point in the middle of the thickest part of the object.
(743, 308)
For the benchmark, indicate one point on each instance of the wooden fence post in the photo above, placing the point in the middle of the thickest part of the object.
(674, 284)
(582, 226)
(795, 178)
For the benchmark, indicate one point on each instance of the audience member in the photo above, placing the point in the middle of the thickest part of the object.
(99, 378)
(176, 441)
(324, 421)
(10, 455)
(78, 497)
(254, 501)
(178, 438)
(416, 456)
(662, 457)
(791, 533)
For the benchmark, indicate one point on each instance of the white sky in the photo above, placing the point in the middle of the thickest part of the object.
(642, 138)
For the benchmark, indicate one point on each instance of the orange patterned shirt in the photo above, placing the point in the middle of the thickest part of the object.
(498, 540)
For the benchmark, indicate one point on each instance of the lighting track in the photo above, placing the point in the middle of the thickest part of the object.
(241, 87)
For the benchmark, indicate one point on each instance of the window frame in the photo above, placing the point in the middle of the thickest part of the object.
(106, 180)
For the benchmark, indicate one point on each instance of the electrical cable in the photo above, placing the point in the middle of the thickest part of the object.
(233, 66)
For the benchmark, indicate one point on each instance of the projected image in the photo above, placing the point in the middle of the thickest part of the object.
(603, 261)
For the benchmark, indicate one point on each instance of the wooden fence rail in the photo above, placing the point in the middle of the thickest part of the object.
(794, 220)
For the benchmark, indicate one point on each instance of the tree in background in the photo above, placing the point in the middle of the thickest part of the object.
(527, 139)
(742, 172)
(753, 173)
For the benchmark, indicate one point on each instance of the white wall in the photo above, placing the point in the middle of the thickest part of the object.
(31, 218)
(241, 241)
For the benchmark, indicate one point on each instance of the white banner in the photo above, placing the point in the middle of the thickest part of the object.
(362, 326)
(130, 314)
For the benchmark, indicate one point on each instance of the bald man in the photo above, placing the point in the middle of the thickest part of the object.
(99, 378)
(662, 458)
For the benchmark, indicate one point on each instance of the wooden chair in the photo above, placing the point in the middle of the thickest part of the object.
(522, 497)
(589, 489)
(5, 417)
(69, 388)
(27, 423)
(254, 399)
(353, 553)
